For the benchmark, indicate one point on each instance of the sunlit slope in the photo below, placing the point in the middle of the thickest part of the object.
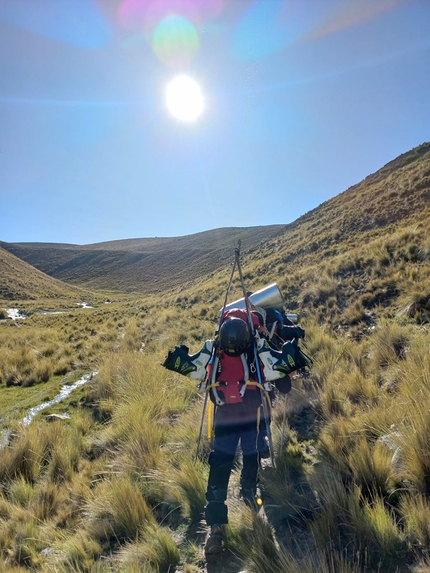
(141, 265)
(360, 256)
(397, 196)
(397, 193)
(19, 280)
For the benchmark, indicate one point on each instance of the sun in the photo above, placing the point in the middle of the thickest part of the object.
(184, 98)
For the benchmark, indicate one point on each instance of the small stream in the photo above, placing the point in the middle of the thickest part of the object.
(16, 314)
(65, 391)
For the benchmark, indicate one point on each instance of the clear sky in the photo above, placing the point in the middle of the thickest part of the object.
(299, 100)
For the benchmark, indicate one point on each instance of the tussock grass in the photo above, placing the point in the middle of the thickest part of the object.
(390, 344)
(117, 511)
(23, 458)
(21, 492)
(249, 536)
(323, 291)
(324, 562)
(183, 486)
(414, 511)
(149, 401)
(415, 304)
(39, 449)
(74, 553)
(50, 499)
(157, 551)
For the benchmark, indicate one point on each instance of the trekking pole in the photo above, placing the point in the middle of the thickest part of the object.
(214, 350)
(262, 389)
(284, 421)
(201, 427)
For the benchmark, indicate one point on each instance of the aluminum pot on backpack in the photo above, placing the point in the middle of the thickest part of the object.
(267, 297)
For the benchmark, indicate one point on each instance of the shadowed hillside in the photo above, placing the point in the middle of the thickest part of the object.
(20, 280)
(140, 265)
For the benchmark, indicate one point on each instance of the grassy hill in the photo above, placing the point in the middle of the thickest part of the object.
(351, 256)
(108, 479)
(140, 265)
(397, 194)
(20, 280)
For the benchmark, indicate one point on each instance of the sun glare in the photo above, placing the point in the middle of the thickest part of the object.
(184, 98)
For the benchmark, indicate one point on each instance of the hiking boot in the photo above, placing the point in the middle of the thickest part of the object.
(249, 497)
(214, 541)
(264, 453)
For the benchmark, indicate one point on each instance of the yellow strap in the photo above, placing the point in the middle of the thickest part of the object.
(214, 385)
(210, 419)
(254, 383)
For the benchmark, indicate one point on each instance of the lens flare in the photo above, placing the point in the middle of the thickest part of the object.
(175, 41)
(184, 98)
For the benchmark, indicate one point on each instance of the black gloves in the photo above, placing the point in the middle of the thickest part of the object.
(179, 361)
(283, 384)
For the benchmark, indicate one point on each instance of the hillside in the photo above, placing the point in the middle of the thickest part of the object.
(140, 265)
(397, 193)
(19, 280)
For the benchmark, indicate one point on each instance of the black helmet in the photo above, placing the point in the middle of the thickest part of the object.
(234, 336)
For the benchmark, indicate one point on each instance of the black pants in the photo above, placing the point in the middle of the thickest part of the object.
(234, 423)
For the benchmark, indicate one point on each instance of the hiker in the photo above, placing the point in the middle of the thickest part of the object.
(233, 389)
(238, 370)
(237, 381)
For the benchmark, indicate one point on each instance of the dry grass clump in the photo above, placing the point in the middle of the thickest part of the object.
(156, 551)
(389, 344)
(40, 449)
(322, 292)
(181, 485)
(415, 303)
(117, 511)
(364, 531)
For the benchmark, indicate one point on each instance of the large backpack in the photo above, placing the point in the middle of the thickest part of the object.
(234, 374)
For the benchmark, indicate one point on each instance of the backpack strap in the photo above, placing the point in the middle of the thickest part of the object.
(212, 382)
(251, 383)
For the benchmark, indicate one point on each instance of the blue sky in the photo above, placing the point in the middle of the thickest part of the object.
(302, 99)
